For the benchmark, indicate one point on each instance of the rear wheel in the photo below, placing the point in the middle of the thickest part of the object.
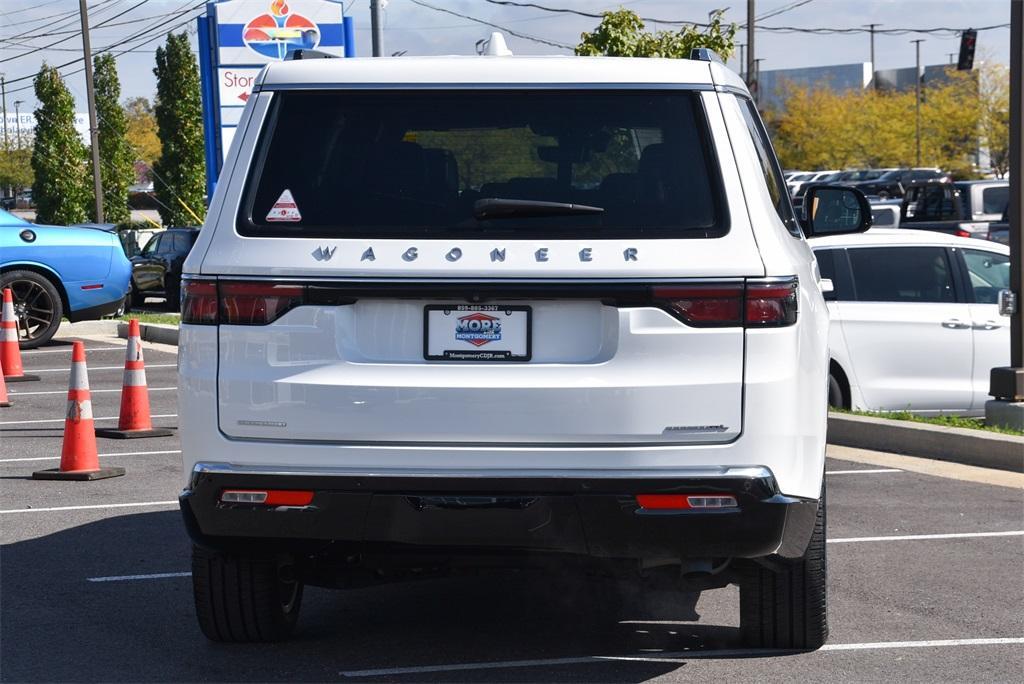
(37, 307)
(836, 398)
(787, 607)
(241, 598)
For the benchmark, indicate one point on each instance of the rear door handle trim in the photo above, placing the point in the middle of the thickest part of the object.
(987, 325)
(955, 324)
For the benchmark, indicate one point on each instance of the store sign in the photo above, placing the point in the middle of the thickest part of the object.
(263, 31)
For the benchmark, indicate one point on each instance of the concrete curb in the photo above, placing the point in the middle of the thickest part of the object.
(958, 445)
(152, 332)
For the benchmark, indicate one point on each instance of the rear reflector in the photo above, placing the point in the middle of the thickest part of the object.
(685, 502)
(267, 497)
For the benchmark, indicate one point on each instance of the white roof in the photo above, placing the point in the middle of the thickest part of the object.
(887, 237)
(517, 71)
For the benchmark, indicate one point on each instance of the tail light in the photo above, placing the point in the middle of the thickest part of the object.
(257, 303)
(199, 302)
(206, 302)
(771, 304)
(754, 304)
(960, 232)
(703, 305)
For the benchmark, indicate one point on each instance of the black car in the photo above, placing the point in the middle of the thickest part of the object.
(894, 183)
(156, 270)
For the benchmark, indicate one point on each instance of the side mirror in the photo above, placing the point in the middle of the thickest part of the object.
(835, 210)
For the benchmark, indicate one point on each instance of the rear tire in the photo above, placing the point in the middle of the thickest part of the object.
(787, 608)
(243, 598)
(836, 398)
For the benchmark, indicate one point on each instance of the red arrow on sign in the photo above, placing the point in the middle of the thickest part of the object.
(244, 97)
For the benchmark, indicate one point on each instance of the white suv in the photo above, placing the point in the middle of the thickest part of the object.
(459, 312)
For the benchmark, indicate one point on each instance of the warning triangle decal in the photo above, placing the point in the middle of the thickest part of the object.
(285, 209)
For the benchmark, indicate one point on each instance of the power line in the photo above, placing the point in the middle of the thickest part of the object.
(126, 22)
(137, 36)
(782, 10)
(507, 30)
(778, 29)
(64, 40)
(70, 18)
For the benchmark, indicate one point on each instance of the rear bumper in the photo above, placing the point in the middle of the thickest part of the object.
(587, 513)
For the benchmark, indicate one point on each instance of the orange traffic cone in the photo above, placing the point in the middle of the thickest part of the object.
(134, 420)
(4, 401)
(78, 458)
(10, 352)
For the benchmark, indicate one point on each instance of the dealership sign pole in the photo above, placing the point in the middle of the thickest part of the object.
(237, 38)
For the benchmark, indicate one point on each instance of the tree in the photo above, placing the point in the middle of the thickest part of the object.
(116, 156)
(995, 116)
(16, 168)
(180, 172)
(821, 128)
(621, 34)
(142, 135)
(60, 188)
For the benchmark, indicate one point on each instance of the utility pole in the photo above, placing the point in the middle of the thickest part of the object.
(17, 119)
(743, 59)
(376, 27)
(3, 93)
(917, 91)
(1007, 384)
(757, 80)
(751, 76)
(871, 30)
(94, 131)
(951, 55)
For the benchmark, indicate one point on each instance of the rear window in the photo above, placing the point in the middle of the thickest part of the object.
(995, 199)
(365, 163)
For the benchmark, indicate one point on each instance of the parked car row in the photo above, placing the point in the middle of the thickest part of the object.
(921, 198)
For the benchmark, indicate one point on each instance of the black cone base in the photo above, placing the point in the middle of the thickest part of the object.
(114, 433)
(56, 474)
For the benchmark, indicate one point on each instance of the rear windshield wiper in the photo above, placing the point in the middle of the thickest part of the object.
(496, 208)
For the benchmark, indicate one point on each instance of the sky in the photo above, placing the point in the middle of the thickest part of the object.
(26, 25)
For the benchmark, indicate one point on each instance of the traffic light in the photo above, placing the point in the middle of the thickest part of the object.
(967, 41)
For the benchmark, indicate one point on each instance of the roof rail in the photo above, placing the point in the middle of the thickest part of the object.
(301, 53)
(704, 54)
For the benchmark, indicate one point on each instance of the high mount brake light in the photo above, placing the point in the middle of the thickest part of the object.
(755, 304)
(237, 303)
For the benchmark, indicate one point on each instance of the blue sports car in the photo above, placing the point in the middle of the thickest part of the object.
(77, 272)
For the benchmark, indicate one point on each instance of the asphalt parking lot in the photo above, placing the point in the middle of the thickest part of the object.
(925, 578)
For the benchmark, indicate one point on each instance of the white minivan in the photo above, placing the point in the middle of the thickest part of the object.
(458, 312)
(915, 321)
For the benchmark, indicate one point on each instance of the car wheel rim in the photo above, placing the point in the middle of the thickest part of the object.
(33, 309)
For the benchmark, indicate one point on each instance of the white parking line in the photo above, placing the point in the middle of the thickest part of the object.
(863, 471)
(92, 506)
(91, 391)
(98, 368)
(61, 420)
(914, 537)
(116, 453)
(677, 656)
(67, 350)
(131, 578)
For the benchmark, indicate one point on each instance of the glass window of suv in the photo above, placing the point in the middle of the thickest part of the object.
(995, 199)
(770, 168)
(393, 163)
(902, 274)
(989, 273)
(152, 245)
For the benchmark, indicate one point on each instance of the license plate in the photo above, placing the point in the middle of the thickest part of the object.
(476, 332)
